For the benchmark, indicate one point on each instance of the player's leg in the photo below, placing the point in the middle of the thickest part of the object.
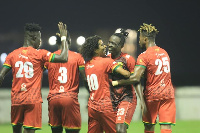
(32, 117)
(149, 119)
(17, 115)
(17, 128)
(167, 115)
(55, 118)
(124, 115)
(71, 116)
(108, 121)
(26, 130)
(94, 126)
(58, 129)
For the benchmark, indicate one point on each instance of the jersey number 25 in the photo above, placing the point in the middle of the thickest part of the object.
(162, 63)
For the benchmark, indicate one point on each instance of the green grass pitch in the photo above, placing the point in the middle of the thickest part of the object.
(135, 127)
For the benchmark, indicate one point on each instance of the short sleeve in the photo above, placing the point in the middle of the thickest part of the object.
(81, 62)
(46, 55)
(46, 65)
(130, 63)
(111, 65)
(8, 62)
(142, 60)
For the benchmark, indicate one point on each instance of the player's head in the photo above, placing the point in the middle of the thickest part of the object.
(68, 39)
(147, 34)
(116, 41)
(93, 46)
(32, 34)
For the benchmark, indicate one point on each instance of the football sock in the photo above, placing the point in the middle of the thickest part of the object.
(166, 131)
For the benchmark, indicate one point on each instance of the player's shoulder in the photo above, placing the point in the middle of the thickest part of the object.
(74, 54)
(127, 56)
(16, 51)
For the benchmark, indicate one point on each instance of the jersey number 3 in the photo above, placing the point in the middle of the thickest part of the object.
(27, 67)
(162, 63)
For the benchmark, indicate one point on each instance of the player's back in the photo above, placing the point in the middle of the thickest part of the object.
(157, 72)
(64, 77)
(26, 64)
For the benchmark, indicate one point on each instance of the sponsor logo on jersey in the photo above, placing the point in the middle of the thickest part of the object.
(22, 56)
(89, 66)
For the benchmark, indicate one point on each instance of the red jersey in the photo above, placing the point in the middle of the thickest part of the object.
(64, 77)
(158, 76)
(127, 92)
(97, 71)
(27, 70)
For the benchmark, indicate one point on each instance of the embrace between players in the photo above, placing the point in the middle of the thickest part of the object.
(111, 80)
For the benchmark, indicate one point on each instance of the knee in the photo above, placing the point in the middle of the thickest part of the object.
(149, 127)
(121, 128)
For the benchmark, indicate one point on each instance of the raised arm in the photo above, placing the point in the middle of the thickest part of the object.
(3, 73)
(133, 79)
(63, 57)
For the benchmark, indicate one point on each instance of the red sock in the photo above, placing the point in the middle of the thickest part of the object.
(148, 131)
(166, 131)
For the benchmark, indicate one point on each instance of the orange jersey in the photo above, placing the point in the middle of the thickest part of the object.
(127, 92)
(158, 76)
(64, 77)
(97, 71)
(27, 70)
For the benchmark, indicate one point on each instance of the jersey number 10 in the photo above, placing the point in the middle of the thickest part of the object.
(92, 82)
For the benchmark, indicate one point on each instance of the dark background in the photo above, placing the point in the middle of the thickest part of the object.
(178, 22)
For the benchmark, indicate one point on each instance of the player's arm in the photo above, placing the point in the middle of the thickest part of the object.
(134, 78)
(63, 57)
(122, 71)
(3, 73)
(139, 91)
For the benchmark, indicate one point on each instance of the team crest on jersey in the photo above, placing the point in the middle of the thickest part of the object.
(48, 53)
(141, 60)
(24, 51)
(157, 49)
(127, 56)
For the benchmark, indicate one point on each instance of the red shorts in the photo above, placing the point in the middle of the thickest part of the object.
(30, 115)
(165, 109)
(65, 112)
(101, 121)
(125, 112)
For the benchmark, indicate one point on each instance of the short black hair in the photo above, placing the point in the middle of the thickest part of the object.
(88, 48)
(122, 35)
(32, 27)
(68, 39)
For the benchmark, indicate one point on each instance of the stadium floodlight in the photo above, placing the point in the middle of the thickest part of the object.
(52, 40)
(80, 40)
(3, 57)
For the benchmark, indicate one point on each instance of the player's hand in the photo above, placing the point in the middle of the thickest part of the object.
(63, 29)
(114, 83)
